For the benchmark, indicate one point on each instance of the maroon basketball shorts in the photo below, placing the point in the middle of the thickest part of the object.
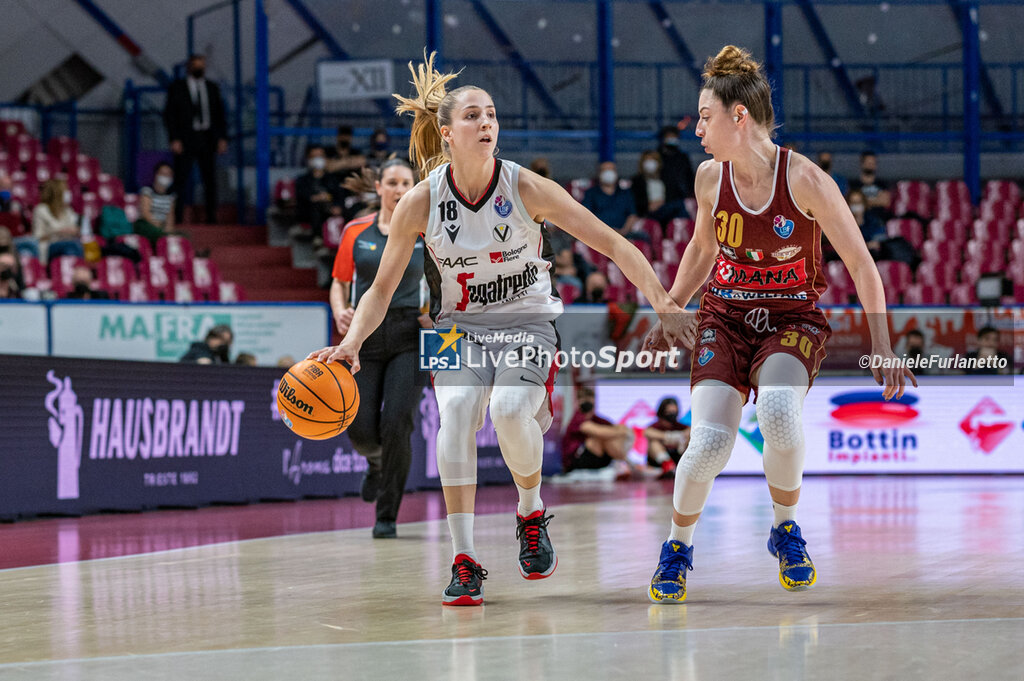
(734, 337)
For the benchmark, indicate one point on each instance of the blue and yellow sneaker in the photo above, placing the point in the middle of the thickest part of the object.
(669, 582)
(796, 571)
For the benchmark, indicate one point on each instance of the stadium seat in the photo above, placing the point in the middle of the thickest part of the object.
(33, 272)
(230, 292)
(1002, 211)
(90, 205)
(13, 222)
(110, 190)
(671, 251)
(923, 294)
(157, 273)
(205, 277)
(332, 229)
(987, 253)
(10, 130)
(616, 277)
(139, 291)
(644, 247)
(963, 294)
(939, 273)
(568, 293)
(131, 207)
(666, 272)
(114, 273)
(185, 292)
(907, 228)
(139, 243)
(62, 269)
(284, 191)
(948, 230)
(1000, 190)
(993, 230)
(680, 230)
(176, 250)
(579, 187)
(896, 276)
(912, 197)
(23, 150)
(63, 150)
(87, 170)
(839, 277)
(934, 250)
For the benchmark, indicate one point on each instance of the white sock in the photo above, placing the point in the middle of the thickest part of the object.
(783, 513)
(683, 534)
(529, 500)
(461, 527)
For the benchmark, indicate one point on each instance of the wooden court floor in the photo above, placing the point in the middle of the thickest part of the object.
(919, 578)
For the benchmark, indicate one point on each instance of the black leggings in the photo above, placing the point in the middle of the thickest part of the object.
(388, 398)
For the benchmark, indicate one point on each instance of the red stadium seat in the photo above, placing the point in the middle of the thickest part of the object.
(941, 274)
(998, 211)
(332, 229)
(284, 191)
(934, 250)
(110, 190)
(62, 269)
(616, 277)
(139, 243)
(912, 196)
(1000, 190)
(157, 273)
(579, 187)
(651, 228)
(963, 294)
(131, 207)
(680, 230)
(922, 294)
(568, 293)
(909, 229)
(89, 204)
(10, 130)
(185, 292)
(205, 277)
(33, 272)
(839, 277)
(176, 250)
(993, 231)
(87, 170)
(896, 276)
(115, 272)
(948, 230)
(23, 150)
(987, 253)
(230, 292)
(13, 222)
(666, 272)
(139, 291)
(63, 150)
(644, 247)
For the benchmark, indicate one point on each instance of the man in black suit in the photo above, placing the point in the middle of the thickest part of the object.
(197, 129)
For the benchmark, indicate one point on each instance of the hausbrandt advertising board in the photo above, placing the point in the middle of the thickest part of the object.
(947, 425)
(163, 333)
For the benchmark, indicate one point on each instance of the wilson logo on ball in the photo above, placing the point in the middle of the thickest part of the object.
(288, 393)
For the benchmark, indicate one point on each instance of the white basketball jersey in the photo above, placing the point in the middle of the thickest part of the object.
(488, 256)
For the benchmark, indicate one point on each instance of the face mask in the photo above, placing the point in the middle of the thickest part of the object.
(380, 145)
(672, 141)
(343, 144)
(67, 197)
(5, 195)
(650, 166)
(586, 406)
(826, 166)
(597, 295)
(318, 163)
(197, 73)
(608, 177)
(671, 415)
(164, 181)
(857, 208)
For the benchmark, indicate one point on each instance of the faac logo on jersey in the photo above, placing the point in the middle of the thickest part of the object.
(502, 289)
(737, 275)
(462, 262)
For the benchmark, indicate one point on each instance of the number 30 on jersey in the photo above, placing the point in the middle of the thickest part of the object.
(729, 228)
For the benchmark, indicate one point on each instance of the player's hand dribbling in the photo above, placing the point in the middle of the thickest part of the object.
(892, 376)
(344, 351)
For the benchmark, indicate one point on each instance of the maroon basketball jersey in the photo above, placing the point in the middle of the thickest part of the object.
(771, 252)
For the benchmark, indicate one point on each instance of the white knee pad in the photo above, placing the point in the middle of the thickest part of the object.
(779, 416)
(461, 409)
(708, 452)
(513, 412)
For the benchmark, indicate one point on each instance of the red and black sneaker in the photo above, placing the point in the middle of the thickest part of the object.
(537, 558)
(466, 587)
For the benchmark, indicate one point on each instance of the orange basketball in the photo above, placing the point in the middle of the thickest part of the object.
(316, 400)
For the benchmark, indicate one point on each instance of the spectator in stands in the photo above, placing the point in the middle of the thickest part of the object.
(7, 202)
(872, 227)
(344, 158)
(10, 275)
(215, 349)
(285, 362)
(676, 171)
(156, 205)
(825, 163)
(540, 166)
(988, 347)
(317, 192)
(592, 441)
(612, 204)
(596, 287)
(649, 191)
(667, 438)
(54, 224)
(914, 347)
(876, 191)
(247, 359)
(566, 271)
(198, 131)
(380, 148)
(83, 285)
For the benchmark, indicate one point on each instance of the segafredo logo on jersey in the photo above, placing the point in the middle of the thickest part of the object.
(783, 226)
(507, 256)
(739, 275)
(441, 349)
(502, 289)
(502, 206)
